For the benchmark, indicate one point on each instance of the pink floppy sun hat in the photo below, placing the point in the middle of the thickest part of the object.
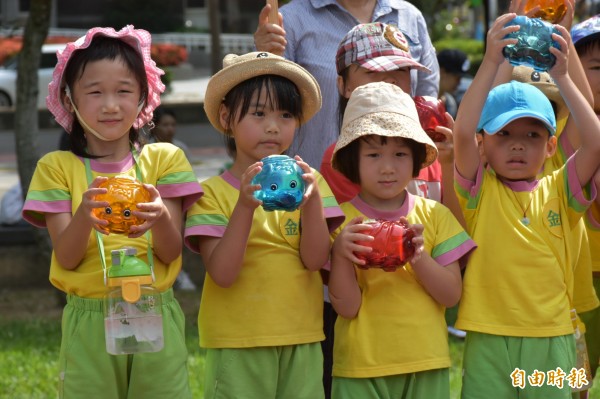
(139, 39)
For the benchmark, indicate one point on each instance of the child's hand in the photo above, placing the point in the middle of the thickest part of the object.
(560, 68)
(247, 189)
(446, 147)
(495, 41)
(88, 204)
(345, 243)
(150, 212)
(309, 180)
(567, 20)
(269, 37)
(417, 240)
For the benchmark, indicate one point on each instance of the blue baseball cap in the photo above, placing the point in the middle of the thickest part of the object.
(510, 101)
(585, 29)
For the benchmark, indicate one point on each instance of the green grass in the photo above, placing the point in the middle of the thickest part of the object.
(29, 347)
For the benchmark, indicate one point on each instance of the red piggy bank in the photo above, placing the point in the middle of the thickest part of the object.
(392, 246)
(432, 113)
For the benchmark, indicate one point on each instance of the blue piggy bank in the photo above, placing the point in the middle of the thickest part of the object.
(533, 46)
(281, 184)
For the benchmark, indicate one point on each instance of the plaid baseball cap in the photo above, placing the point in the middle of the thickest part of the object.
(514, 100)
(586, 29)
(377, 47)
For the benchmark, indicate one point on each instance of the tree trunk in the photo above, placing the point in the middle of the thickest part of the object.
(214, 16)
(26, 114)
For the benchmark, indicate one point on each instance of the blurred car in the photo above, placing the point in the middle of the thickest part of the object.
(8, 77)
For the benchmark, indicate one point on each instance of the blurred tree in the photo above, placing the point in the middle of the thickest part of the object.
(26, 114)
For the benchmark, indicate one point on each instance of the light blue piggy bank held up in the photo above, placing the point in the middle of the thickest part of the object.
(281, 183)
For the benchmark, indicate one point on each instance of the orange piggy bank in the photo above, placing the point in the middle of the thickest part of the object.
(124, 193)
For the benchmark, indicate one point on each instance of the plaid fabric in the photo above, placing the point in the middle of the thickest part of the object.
(376, 46)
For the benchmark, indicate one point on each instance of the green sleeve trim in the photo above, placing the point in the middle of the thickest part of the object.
(329, 202)
(449, 244)
(572, 201)
(178, 178)
(206, 220)
(49, 195)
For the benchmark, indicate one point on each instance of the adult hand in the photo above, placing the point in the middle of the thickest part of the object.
(268, 36)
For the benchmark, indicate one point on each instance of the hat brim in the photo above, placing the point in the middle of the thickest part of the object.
(387, 124)
(391, 63)
(139, 40)
(494, 125)
(229, 77)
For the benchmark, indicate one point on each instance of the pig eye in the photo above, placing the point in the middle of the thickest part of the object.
(126, 213)
(108, 210)
(273, 186)
(293, 184)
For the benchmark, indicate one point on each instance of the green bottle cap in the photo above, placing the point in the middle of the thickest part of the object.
(126, 264)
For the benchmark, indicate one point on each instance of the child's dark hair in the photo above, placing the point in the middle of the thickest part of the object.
(281, 93)
(587, 44)
(103, 48)
(343, 101)
(346, 158)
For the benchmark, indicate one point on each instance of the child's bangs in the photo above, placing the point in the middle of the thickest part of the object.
(281, 94)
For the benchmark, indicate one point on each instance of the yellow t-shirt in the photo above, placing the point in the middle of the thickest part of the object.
(592, 222)
(584, 295)
(275, 299)
(399, 328)
(58, 184)
(516, 282)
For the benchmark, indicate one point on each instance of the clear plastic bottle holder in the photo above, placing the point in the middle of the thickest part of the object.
(132, 308)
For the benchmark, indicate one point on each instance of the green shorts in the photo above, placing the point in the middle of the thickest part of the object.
(591, 320)
(430, 384)
(294, 371)
(496, 366)
(88, 371)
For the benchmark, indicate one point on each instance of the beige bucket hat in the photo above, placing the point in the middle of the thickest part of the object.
(544, 82)
(238, 68)
(383, 109)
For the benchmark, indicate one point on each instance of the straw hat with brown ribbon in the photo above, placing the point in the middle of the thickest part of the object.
(238, 68)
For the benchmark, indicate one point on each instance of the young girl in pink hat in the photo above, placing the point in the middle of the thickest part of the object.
(104, 90)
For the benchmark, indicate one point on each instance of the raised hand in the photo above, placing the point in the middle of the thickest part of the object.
(268, 36)
(560, 68)
(496, 40)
